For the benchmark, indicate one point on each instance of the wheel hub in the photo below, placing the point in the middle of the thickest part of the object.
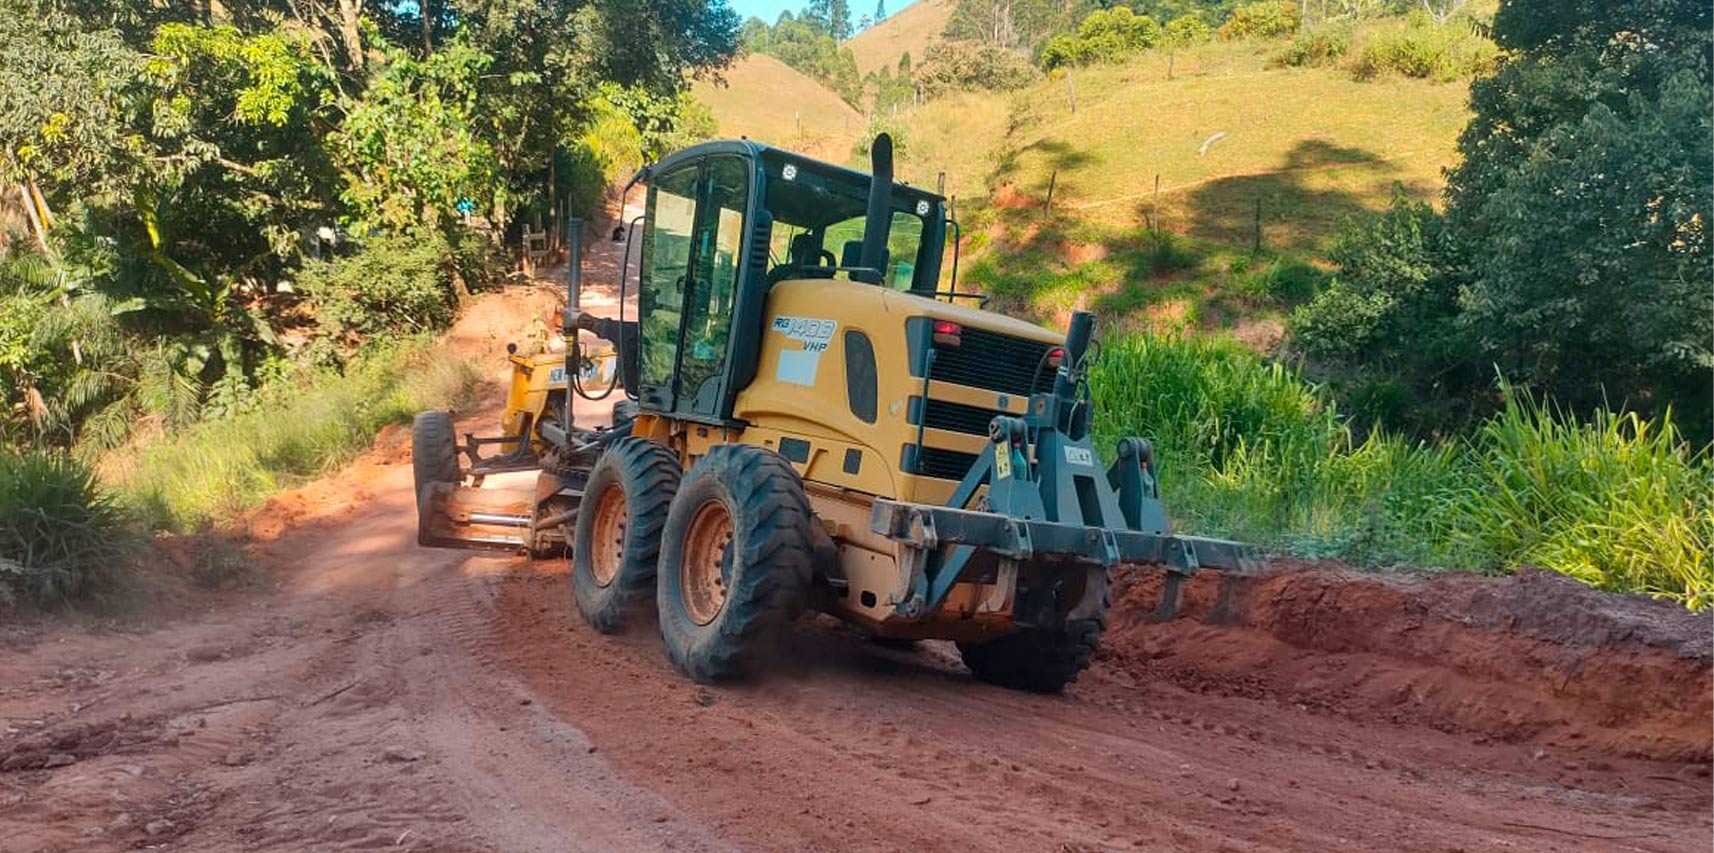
(607, 545)
(705, 571)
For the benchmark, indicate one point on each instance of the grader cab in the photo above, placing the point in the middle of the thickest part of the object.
(811, 422)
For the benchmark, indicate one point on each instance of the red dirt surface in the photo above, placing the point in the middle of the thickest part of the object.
(375, 695)
(1535, 657)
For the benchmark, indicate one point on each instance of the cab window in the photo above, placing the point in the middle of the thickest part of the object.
(665, 266)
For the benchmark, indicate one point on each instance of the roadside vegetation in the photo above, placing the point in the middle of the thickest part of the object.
(305, 427)
(229, 232)
(1251, 450)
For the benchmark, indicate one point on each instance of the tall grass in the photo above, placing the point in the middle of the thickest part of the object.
(311, 426)
(1617, 501)
(62, 539)
(1248, 449)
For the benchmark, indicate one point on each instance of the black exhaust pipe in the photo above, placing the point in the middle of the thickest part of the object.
(878, 224)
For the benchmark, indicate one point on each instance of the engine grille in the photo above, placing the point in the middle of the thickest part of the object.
(997, 362)
(986, 360)
(945, 464)
(957, 417)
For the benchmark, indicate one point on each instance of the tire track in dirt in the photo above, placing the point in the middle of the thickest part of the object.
(390, 697)
(864, 749)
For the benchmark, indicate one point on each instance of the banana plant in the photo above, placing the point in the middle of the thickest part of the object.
(222, 323)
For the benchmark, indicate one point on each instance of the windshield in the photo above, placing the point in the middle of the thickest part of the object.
(819, 221)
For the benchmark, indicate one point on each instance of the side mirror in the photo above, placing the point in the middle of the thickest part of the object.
(618, 233)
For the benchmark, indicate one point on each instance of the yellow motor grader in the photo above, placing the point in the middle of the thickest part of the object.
(810, 422)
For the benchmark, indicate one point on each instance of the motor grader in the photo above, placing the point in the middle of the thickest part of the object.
(810, 422)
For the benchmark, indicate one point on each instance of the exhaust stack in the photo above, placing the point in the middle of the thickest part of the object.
(878, 224)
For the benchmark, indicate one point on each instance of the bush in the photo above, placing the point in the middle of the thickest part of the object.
(1439, 52)
(479, 261)
(1323, 45)
(966, 66)
(1392, 308)
(398, 283)
(1287, 281)
(62, 539)
(1261, 20)
(1161, 252)
(1116, 34)
(1187, 29)
(306, 428)
(880, 123)
(1061, 51)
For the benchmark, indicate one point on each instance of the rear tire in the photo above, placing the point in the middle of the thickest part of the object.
(1041, 660)
(434, 452)
(618, 536)
(736, 561)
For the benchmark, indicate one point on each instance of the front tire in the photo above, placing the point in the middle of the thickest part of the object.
(434, 452)
(1041, 660)
(618, 537)
(736, 561)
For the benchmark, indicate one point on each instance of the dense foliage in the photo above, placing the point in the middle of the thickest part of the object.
(176, 165)
(1573, 255)
(1248, 449)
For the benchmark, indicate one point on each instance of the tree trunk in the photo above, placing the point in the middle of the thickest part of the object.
(37, 228)
(428, 27)
(350, 31)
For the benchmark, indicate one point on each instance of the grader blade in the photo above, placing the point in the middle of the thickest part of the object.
(453, 516)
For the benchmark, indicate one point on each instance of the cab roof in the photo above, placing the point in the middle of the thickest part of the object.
(753, 150)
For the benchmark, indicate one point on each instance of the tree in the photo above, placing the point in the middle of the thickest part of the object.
(1582, 199)
(880, 10)
(804, 43)
(1007, 23)
(172, 157)
(966, 66)
(1574, 252)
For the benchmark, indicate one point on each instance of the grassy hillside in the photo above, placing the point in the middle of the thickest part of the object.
(1312, 145)
(771, 102)
(907, 31)
(1230, 139)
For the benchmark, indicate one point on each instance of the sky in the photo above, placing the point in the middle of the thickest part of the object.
(768, 10)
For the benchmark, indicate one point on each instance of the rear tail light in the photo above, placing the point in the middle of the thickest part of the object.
(1056, 357)
(947, 333)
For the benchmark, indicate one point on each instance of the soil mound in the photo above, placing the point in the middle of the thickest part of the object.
(1531, 657)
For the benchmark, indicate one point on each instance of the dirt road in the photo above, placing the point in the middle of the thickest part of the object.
(380, 696)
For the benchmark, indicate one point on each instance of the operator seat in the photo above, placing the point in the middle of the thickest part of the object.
(802, 260)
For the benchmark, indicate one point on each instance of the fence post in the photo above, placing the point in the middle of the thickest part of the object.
(1052, 179)
(1157, 203)
(1258, 245)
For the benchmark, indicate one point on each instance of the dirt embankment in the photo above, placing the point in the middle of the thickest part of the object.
(1531, 657)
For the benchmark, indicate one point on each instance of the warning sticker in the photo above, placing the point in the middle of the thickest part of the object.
(798, 366)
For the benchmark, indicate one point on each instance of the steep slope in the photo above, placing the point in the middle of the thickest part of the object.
(910, 30)
(769, 101)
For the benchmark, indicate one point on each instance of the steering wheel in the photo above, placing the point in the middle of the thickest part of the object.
(822, 254)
